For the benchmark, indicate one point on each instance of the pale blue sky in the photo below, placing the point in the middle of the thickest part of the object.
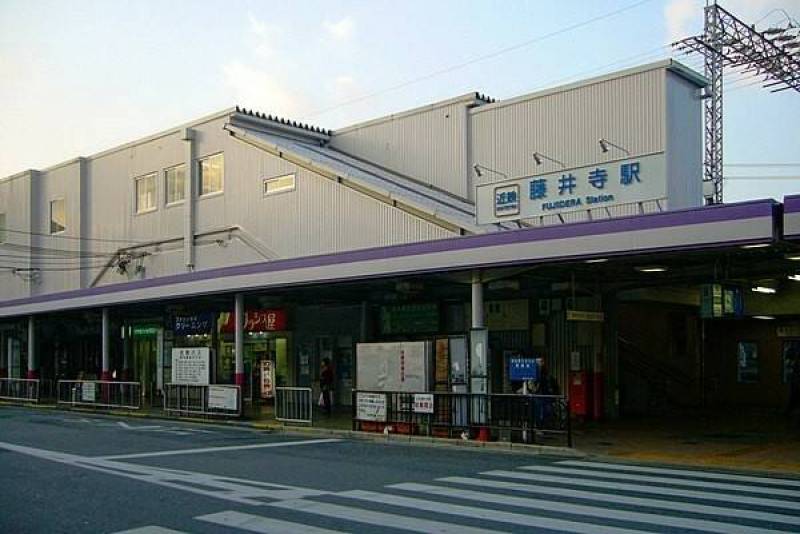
(82, 76)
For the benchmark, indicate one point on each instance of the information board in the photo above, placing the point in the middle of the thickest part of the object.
(191, 365)
(423, 402)
(371, 407)
(88, 391)
(223, 398)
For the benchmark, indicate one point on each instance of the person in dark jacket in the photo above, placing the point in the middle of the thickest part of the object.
(326, 386)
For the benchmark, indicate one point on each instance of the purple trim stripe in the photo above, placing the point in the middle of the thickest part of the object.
(678, 218)
(791, 204)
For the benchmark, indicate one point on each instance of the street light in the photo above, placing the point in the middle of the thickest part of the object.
(478, 169)
(538, 157)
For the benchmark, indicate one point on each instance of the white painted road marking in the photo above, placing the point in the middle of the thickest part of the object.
(643, 488)
(684, 472)
(485, 513)
(678, 506)
(380, 519)
(263, 525)
(582, 509)
(663, 480)
(218, 449)
(237, 490)
(151, 529)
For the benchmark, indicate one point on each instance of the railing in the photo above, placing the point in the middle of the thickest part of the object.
(19, 389)
(294, 405)
(542, 419)
(100, 394)
(208, 401)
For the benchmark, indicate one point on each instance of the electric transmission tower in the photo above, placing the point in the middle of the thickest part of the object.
(727, 42)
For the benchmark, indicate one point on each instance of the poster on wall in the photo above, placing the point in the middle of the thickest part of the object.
(371, 407)
(267, 379)
(747, 368)
(191, 365)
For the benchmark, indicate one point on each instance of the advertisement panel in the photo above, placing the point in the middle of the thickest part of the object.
(223, 398)
(601, 185)
(257, 321)
(399, 366)
(423, 403)
(191, 365)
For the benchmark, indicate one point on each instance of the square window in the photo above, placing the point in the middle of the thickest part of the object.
(175, 183)
(211, 171)
(58, 216)
(146, 193)
(279, 184)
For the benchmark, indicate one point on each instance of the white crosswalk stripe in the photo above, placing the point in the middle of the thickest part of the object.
(749, 488)
(580, 509)
(731, 498)
(684, 472)
(526, 520)
(263, 525)
(616, 498)
(377, 519)
(542, 498)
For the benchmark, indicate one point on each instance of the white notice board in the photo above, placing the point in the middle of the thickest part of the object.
(371, 407)
(191, 365)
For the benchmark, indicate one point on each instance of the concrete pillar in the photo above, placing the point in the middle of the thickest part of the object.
(106, 371)
(33, 365)
(188, 201)
(239, 339)
(477, 301)
(10, 355)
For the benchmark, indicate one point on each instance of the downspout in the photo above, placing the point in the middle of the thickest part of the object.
(188, 203)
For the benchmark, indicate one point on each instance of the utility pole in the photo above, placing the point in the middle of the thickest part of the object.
(726, 41)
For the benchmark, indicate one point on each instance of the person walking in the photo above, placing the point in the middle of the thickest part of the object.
(326, 386)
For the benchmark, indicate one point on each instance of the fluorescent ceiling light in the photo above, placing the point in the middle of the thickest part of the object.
(765, 290)
(756, 245)
(597, 260)
(793, 257)
(764, 317)
(795, 277)
(651, 269)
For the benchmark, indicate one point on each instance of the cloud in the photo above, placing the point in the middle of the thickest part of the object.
(255, 87)
(265, 36)
(341, 30)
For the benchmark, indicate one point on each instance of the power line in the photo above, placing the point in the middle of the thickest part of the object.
(477, 59)
(73, 238)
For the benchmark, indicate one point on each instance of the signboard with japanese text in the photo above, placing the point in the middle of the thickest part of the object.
(423, 403)
(187, 325)
(586, 316)
(223, 398)
(88, 392)
(267, 379)
(371, 407)
(257, 321)
(191, 365)
(602, 185)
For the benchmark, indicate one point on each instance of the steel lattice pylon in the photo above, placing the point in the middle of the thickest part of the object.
(728, 42)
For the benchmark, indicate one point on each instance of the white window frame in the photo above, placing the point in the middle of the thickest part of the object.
(282, 190)
(64, 229)
(167, 203)
(221, 189)
(154, 207)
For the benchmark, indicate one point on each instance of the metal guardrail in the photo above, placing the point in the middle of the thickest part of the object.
(294, 405)
(20, 389)
(216, 400)
(540, 419)
(100, 393)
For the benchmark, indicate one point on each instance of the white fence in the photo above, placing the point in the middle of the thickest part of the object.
(19, 389)
(100, 393)
(212, 400)
(294, 405)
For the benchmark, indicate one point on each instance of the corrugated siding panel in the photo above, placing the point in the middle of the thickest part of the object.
(566, 126)
(428, 146)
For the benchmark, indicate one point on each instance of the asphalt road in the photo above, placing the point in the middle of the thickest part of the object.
(69, 472)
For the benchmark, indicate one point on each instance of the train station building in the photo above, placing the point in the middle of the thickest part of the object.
(566, 227)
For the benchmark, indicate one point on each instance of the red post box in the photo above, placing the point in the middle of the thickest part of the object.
(580, 398)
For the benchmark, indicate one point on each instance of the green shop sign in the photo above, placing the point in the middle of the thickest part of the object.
(410, 319)
(145, 330)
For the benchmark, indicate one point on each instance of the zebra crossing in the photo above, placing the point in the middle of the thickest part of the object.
(567, 496)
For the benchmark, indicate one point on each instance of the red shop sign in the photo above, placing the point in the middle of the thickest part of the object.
(258, 321)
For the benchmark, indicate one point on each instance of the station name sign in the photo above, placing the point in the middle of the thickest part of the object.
(602, 185)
